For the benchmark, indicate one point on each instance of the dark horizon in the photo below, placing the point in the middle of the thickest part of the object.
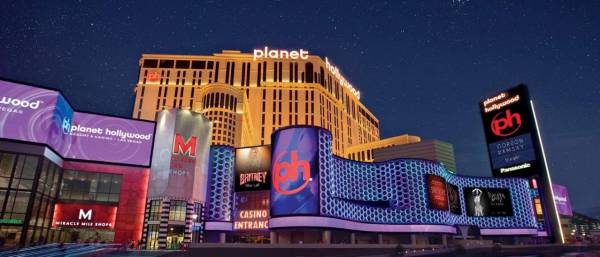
(421, 67)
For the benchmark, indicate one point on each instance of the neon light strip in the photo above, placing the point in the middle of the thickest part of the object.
(327, 222)
(220, 226)
(560, 232)
(510, 231)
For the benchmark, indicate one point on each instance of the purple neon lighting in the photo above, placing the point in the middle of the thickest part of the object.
(218, 226)
(508, 231)
(327, 222)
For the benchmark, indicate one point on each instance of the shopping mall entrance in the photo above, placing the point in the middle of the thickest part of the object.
(82, 235)
(175, 235)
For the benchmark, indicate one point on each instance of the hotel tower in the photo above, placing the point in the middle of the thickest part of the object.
(247, 96)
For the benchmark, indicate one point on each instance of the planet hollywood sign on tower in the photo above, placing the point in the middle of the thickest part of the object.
(509, 132)
(303, 55)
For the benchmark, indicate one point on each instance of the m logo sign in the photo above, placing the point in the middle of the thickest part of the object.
(83, 215)
(506, 125)
(287, 172)
(184, 147)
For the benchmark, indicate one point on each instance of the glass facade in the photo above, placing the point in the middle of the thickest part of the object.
(177, 210)
(91, 186)
(28, 190)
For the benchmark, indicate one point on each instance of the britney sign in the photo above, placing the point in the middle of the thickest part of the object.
(252, 166)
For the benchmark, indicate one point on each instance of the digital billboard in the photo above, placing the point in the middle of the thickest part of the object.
(453, 199)
(294, 172)
(436, 189)
(251, 211)
(510, 133)
(110, 139)
(96, 216)
(488, 202)
(561, 198)
(26, 113)
(252, 166)
(44, 116)
(180, 156)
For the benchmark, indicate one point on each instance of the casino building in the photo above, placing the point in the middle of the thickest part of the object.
(269, 147)
(248, 97)
(66, 175)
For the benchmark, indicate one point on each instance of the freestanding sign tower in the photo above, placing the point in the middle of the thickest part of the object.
(516, 150)
(178, 180)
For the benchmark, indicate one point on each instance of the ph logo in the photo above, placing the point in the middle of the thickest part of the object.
(506, 125)
(287, 172)
(184, 147)
(85, 215)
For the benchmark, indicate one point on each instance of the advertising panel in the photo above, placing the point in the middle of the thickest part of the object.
(294, 174)
(110, 139)
(453, 199)
(59, 133)
(488, 202)
(180, 156)
(44, 116)
(251, 211)
(561, 198)
(437, 195)
(26, 113)
(252, 166)
(95, 216)
(510, 133)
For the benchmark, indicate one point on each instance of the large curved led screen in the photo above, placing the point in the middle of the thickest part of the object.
(44, 116)
(294, 172)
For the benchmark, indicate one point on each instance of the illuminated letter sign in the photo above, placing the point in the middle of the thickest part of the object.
(280, 54)
(78, 215)
(85, 215)
(506, 125)
(187, 148)
(288, 171)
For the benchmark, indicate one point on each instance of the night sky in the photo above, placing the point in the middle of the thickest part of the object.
(421, 66)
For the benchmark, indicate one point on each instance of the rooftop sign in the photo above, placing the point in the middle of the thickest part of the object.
(281, 54)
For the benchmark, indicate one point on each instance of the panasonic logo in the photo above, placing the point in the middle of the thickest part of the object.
(518, 167)
(20, 103)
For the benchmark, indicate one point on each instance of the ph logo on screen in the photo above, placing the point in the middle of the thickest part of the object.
(286, 173)
(506, 125)
(184, 147)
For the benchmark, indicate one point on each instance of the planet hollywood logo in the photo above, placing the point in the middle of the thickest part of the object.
(16, 102)
(506, 125)
(287, 173)
(66, 125)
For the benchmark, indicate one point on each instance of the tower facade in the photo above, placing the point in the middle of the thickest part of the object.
(254, 94)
